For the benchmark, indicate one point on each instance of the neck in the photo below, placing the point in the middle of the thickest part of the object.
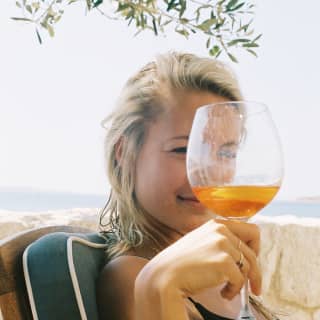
(158, 236)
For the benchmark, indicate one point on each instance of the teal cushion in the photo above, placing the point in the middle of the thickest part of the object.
(61, 270)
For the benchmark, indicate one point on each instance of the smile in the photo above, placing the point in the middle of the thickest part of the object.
(190, 200)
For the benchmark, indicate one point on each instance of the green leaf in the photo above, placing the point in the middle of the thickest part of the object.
(171, 5)
(244, 27)
(138, 32)
(51, 13)
(184, 20)
(154, 26)
(166, 22)
(21, 19)
(207, 24)
(57, 18)
(29, 9)
(250, 45)
(218, 54)
(231, 4)
(249, 33)
(183, 7)
(124, 8)
(252, 52)
(208, 43)
(142, 20)
(131, 19)
(257, 38)
(18, 4)
(130, 14)
(214, 50)
(236, 41)
(50, 30)
(38, 36)
(236, 7)
(36, 5)
(184, 32)
(97, 3)
(232, 57)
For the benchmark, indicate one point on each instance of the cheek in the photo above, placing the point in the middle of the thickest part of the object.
(215, 172)
(148, 184)
(224, 170)
(221, 170)
(158, 180)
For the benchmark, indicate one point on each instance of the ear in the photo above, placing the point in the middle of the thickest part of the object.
(118, 150)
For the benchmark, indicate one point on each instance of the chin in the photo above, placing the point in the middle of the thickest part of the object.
(198, 221)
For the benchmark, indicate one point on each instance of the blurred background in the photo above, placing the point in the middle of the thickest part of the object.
(53, 97)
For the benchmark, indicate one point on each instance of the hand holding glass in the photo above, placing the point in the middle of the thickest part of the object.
(234, 163)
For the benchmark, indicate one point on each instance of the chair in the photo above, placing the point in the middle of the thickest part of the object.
(14, 302)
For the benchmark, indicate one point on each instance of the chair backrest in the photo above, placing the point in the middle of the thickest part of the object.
(14, 302)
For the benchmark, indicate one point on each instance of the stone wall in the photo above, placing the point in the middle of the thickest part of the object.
(290, 263)
(289, 256)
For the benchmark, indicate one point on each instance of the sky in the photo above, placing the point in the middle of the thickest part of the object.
(54, 96)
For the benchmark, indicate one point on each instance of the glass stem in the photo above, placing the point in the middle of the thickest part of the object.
(244, 293)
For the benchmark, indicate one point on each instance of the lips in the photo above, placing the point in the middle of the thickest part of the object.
(190, 201)
(188, 198)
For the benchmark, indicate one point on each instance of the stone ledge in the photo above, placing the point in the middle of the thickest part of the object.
(290, 263)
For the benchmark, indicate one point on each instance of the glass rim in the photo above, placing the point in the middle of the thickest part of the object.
(263, 106)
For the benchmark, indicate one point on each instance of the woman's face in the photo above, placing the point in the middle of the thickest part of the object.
(161, 185)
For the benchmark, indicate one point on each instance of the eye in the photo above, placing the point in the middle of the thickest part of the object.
(226, 153)
(179, 150)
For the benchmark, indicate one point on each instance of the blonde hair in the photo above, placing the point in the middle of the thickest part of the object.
(140, 103)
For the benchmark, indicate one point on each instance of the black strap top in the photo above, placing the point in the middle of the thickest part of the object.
(205, 313)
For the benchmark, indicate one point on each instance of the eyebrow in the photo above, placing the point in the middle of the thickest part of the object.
(180, 138)
(229, 144)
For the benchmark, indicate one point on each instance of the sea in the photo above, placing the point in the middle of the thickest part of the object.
(38, 201)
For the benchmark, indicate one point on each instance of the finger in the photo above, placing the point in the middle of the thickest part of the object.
(235, 280)
(238, 257)
(249, 233)
(250, 267)
(255, 280)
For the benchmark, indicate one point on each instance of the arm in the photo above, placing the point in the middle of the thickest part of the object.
(204, 258)
(156, 298)
(122, 292)
(115, 288)
(134, 288)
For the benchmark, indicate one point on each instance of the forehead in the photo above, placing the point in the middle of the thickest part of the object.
(180, 108)
(224, 122)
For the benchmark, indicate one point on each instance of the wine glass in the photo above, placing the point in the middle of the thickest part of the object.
(234, 163)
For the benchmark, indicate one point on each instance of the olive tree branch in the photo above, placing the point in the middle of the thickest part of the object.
(224, 23)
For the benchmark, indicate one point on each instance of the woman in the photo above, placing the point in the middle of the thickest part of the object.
(171, 259)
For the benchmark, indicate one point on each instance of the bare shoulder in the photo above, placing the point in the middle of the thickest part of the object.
(115, 293)
(115, 287)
